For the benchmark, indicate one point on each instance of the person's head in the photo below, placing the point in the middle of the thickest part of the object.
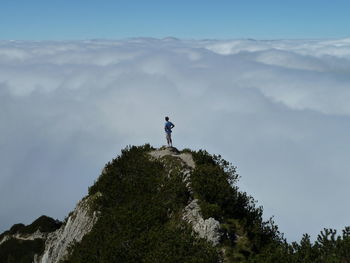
(166, 118)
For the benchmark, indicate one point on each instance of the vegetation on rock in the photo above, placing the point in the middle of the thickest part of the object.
(23, 250)
(140, 220)
(140, 201)
(20, 251)
(244, 231)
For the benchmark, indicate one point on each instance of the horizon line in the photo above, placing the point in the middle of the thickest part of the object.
(173, 38)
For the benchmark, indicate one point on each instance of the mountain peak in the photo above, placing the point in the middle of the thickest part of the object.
(164, 205)
(185, 157)
(154, 205)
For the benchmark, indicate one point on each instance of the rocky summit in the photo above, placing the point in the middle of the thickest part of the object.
(164, 205)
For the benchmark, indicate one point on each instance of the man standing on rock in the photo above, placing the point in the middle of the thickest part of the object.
(168, 126)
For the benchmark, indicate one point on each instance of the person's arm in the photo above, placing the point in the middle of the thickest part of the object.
(172, 125)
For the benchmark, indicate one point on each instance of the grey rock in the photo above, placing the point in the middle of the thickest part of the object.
(208, 228)
(78, 224)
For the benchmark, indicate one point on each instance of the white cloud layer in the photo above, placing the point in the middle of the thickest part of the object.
(279, 110)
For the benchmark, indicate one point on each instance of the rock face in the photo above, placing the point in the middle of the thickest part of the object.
(208, 228)
(38, 229)
(205, 228)
(172, 151)
(78, 224)
(36, 235)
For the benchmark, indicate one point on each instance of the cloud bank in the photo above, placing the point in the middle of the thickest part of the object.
(277, 109)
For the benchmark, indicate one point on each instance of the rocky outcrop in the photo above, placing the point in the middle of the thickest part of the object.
(39, 229)
(205, 228)
(36, 235)
(77, 225)
(186, 158)
(4, 239)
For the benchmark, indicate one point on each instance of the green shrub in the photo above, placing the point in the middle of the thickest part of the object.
(20, 251)
(16, 228)
(210, 210)
(243, 230)
(44, 224)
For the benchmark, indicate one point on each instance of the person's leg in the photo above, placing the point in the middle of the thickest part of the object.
(171, 141)
(167, 138)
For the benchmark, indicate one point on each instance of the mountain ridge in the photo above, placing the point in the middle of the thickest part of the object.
(165, 205)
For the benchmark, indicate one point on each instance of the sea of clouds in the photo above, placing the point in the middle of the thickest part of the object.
(278, 110)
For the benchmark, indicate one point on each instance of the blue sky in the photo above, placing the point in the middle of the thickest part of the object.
(269, 19)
